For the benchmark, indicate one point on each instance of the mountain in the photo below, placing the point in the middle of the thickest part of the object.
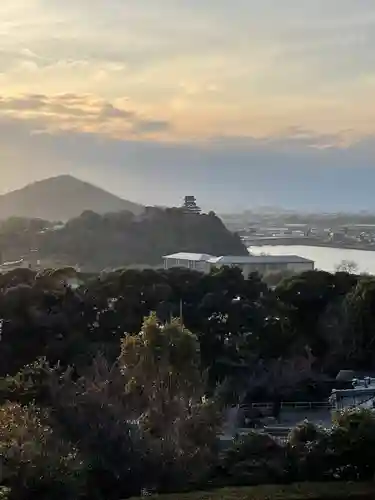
(95, 242)
(60, 199)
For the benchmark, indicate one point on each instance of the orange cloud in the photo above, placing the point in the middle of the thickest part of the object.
(84, 113)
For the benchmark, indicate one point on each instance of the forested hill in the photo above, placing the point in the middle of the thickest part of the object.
(61, 198)
(96, 242)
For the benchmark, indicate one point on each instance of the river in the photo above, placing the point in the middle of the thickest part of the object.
(325, 258)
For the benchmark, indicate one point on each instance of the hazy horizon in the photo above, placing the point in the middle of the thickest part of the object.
(242, 103)
(271, 208)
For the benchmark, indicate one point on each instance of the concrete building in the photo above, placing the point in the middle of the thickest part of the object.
(264, 264)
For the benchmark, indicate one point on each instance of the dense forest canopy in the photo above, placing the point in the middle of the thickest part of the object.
(322, 318)
(95, 242)
(118, 386)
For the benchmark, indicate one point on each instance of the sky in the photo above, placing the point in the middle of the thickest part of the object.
(242, 103)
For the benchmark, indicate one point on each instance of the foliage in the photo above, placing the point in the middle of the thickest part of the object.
(164, 382)
(347, 266)
(303, 491)
(32, 383)
(120, 239)
(352, 444)
(35, 461)
(303, 433)
(102, 373)
(161, 364)
(308, 452)
(345, 452)
(237, 322)
(165, 442)
(253, 459)
(93, 412)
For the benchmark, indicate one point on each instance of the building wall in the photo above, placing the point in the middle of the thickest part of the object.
(264, 268)
(301, 267)
(194, 265)
(247, 269)
(203, 267)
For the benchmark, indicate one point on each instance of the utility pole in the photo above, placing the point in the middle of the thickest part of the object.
(181, 313)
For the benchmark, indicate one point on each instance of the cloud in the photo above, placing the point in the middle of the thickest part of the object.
(243, 67)
(110, 111)
(225, 173)
(239, 95)
(26, 103)
(150, 126)
(81, 112)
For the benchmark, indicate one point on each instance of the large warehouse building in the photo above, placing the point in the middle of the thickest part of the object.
(264, 264)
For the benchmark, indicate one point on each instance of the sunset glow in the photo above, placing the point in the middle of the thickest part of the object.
(270, 74)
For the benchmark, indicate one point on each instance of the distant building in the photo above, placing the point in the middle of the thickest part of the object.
(194, 261)
(266, 264)
(361, 395)
(190, 205)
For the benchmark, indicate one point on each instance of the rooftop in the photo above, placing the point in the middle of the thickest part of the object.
(260, 259)
(239, 259)
(203, 257)
(11, 264)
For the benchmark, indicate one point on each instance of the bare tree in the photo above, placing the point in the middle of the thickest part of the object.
(347, 266)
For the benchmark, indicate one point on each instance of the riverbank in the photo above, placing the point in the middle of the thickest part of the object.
(308, 243)
(325, 258)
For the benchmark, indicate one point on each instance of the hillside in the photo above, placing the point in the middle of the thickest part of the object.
(95, 242)
(60, 199)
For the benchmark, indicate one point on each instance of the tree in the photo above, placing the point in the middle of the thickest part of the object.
(308, 296)
(254, 459)
(164, 383)
(358, 342)
(94, 412)
(122, 239)
(162, 365)
(307, 452)
(352, 445)
(347, 266)
(35, 462)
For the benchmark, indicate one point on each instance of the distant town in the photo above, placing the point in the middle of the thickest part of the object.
(271, 227)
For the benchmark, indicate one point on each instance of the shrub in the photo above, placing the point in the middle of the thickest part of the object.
(253, 459)
(303, 433)
(303, 491)
(93, 412)
(346, 452)
(31, 383)
(307, 452)
(35, 462)
(351, 446)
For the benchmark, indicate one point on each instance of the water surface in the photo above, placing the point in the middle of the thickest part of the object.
(325, 258)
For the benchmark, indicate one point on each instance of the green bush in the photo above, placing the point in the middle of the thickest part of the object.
(34, 461)
(307, 453)
(352, 445)
(253, 459)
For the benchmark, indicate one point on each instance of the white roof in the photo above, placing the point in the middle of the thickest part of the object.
(259, 259)
(239, 259)
(204, 257)
(10, 264)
